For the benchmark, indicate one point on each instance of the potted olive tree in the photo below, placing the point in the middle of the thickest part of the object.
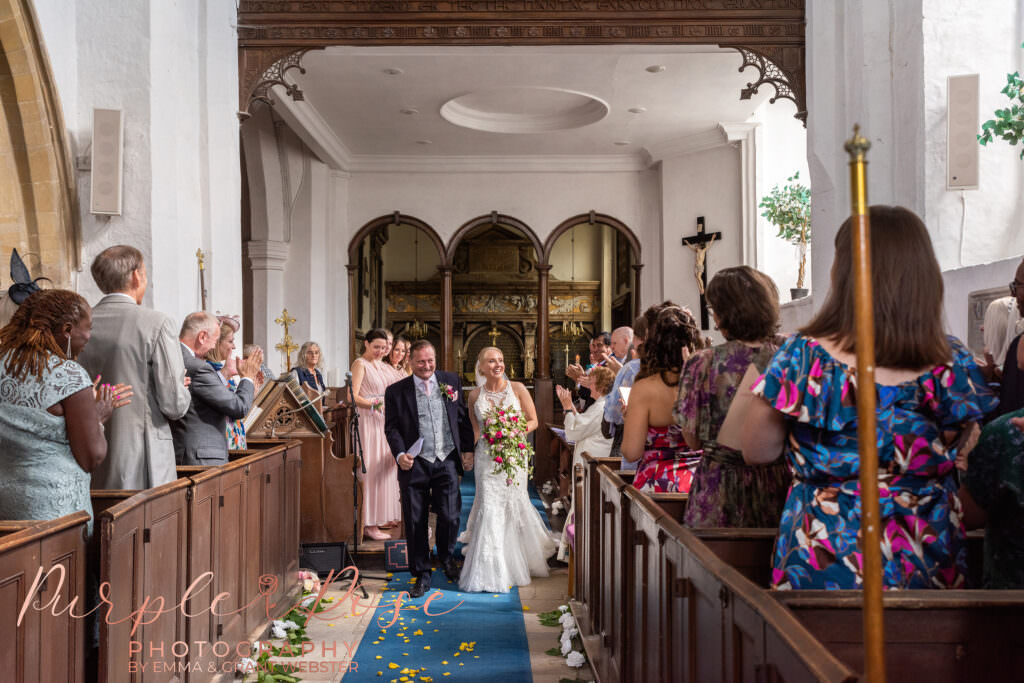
(1008, 123)
(789, 209)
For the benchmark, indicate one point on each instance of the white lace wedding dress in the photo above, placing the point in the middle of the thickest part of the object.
(506, 540)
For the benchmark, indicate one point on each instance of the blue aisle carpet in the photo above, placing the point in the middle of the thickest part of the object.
(482, 638)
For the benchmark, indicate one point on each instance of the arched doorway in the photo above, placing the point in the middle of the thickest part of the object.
(594, 283)
(395, 282)
(494, 263)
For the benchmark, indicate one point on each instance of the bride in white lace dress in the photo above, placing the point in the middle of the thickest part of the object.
(506, 539)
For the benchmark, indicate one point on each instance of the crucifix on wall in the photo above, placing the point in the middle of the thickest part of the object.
(699, 245)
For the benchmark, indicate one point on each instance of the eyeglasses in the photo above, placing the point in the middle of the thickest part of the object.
(1013, 287)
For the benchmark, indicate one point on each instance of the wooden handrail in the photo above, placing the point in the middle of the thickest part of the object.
(33, 530)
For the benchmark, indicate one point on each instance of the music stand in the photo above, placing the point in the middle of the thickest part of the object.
(357, 463)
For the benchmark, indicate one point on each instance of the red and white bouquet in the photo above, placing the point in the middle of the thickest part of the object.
(504, 429)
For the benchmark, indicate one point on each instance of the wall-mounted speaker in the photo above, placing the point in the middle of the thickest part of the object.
(107, 161)
(961, 132)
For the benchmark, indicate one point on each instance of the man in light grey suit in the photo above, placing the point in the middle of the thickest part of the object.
(200, 437)
(137, 346)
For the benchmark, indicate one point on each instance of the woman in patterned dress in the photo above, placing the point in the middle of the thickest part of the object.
(930, 392)
(726, 492)
(650, 434)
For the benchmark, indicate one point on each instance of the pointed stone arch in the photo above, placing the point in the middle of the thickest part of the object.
(39, 212)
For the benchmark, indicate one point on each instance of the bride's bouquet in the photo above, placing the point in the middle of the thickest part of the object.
(504, 429)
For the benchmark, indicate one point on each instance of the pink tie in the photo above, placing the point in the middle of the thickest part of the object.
(426, 388)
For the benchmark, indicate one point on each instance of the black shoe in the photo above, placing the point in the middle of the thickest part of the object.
(452, 571)
(417, 590)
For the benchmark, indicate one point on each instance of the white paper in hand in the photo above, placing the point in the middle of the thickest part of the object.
(415, 449)
(624, 393)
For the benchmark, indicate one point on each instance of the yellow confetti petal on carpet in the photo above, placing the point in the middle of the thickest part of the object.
(380, 657)
(389, 575)
(460, 663)
(447, 673)
(526, 608)
(380, 673)
(392, 665)
(436, 630)
(417, 632)
(445, 662)
(426, 647)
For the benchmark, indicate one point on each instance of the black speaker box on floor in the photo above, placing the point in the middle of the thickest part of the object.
(323, 557)
(396, 556)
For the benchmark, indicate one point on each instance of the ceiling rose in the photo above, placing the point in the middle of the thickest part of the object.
(524, 109)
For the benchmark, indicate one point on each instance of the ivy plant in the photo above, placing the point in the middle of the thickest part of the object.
(788, 207)
(1008, 123)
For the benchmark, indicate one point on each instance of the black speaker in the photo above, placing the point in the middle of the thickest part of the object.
(323, 557)
(396, 556)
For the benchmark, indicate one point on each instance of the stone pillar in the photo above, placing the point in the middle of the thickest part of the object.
(447, 348)
(267, 259)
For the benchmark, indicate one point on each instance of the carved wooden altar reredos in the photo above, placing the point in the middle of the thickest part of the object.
(273, 34)
(494, 300)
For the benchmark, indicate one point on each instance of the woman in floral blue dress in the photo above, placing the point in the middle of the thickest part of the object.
(929, 393)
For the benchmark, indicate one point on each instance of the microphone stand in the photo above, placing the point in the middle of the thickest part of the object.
(357, 462)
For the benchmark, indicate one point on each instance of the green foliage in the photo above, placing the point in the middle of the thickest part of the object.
(1008, 123)
(789, 209)
(550, 618)
(554, 652)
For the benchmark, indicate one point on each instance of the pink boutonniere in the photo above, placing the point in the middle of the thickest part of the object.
(449, 392)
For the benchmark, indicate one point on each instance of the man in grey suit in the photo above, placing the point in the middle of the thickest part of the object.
(199, 436)
(137, 346)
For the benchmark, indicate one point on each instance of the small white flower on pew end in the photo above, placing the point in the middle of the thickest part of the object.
(563, 608)
(246, 666)
(557, 508)
(289, 625)
(567, 618)
(278, 632)
(566, 647)
(570, 632)
(575, 659)
(308, 600)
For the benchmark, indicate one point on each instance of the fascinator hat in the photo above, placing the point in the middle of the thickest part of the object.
(24, 286)
(229, 320)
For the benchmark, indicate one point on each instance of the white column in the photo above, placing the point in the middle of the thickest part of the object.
(744, 136)
(267, 259)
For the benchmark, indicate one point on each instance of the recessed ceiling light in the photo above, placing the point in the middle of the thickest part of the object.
(424, 142)
(656, 68)
(393, 71)
(409, 111)
(623, 143)
(637, 110)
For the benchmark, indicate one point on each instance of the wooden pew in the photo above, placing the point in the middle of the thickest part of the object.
(586, 558)
(44, 647)
(239, 521)
(671, 610)
(143, 553)
(934, 636)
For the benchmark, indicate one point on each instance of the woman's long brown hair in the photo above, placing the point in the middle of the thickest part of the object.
(908, 293)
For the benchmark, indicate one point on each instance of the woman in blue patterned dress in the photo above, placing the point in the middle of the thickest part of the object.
(51, 419)
(930, 392)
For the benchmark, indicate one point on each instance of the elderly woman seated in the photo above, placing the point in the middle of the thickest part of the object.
(585, 428)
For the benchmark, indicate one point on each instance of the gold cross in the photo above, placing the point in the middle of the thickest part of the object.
(286, 346)
(494, 334)
(200, 256)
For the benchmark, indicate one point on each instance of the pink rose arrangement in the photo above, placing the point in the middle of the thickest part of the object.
(504, 430)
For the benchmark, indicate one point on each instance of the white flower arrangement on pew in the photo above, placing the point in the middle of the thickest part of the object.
(570, 641)
(286, 629)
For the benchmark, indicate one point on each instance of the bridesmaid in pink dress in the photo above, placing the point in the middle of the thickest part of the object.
(370, 376)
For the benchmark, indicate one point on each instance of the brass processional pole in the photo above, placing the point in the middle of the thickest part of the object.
(874, 627)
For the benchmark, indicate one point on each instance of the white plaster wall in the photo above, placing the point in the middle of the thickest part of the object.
(172, 70)
(864, 65)
(960, 283)
(587, 255)
(782, 151)
(960, 38)
(702, 184)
